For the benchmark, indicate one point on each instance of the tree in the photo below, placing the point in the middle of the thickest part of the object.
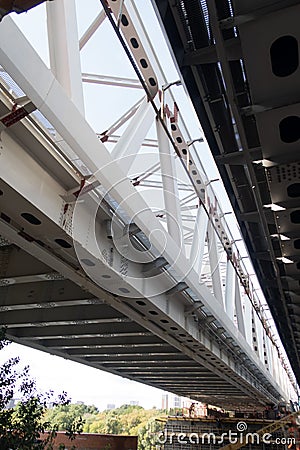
(21, 426)
(129, 420)
(63, 416)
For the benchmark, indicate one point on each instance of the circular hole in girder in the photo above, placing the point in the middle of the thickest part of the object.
(140, 303)
(124, 20)
(144, 63)
(31, 219)
(293, 190)
(87, 262)
(284, 56)
(63, 243)
(134, 43)
(289, 129)
(297, 244)
(152, 81)
(295, 216)
(124, 290)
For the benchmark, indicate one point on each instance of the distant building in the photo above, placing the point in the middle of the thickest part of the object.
(12, 403)
(111, 406)
(133, 403)
(177, 402)
(171, 401)
(165, 401)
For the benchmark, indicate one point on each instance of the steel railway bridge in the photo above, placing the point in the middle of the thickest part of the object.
(118, 248)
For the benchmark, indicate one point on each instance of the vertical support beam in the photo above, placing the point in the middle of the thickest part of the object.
(131, 141)
(266, 355)
(278, 374)
(282, 372)
(268, 345)
(239, 308)
(285, 381)
(230, 290)
(214, 263)
(260, 337)
(254, 334)
(248, 321)
(170, 188)
(64, 48)
(274, 359)
(198, 243)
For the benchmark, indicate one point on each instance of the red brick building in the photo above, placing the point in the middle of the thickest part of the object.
(87, 441)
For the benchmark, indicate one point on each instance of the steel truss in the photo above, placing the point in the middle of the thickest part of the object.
(107, 274)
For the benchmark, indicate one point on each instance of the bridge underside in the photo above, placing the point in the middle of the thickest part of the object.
(44, 311)
(47, 302)
(239, 60)
(62, 272)
(8, 6)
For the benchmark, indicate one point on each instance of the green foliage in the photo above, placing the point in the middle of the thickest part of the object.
(126, 420)
(20, 427)
(65, 416)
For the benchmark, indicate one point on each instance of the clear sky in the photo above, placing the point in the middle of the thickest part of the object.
(82, 383)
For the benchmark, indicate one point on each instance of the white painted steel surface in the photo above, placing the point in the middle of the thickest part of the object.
(103, 234)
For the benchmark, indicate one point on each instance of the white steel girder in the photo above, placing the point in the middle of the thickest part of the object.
(170, 188)
(43, 254)
(198, 243)
(173, 315)
(214, 260)
(175, 311)
(46, 94)
(239, 309)
(230, 290)
(131, 140)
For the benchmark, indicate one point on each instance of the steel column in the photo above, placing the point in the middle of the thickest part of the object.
(214, 261)
(269, 355)
(230, 289)
(198, 243)
(64, 48)
(248, 321)
(239, 308)
(170, 187)
(131, 141)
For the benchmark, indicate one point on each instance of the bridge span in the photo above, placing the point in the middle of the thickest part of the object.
(115, 250)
